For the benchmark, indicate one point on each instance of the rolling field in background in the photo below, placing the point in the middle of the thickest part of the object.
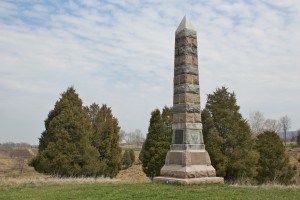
(19, 181)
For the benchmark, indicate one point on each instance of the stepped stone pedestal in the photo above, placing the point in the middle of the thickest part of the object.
(187, 162)
(188, 167)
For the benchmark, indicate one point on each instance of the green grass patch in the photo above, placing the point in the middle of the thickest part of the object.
(290, 144)
(146, 191)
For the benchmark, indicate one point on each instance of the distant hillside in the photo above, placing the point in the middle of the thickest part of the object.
(14, 158)
(289, 135)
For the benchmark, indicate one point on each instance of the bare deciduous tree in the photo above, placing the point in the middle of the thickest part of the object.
(21, 155)
(133, 137)
(122, 135)
(285, 122)
(272, 125)
(256, 122)
(138, 137)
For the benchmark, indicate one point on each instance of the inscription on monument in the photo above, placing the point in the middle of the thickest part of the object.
(193, 137)
(179, 137)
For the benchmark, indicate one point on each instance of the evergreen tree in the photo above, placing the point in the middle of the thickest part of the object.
(158, 142)
(127, 161)
(298, 137)
(105, 137)
(227, 137)
(142, 152)
(273, 164)
(93, 111)
(65, 148)
(132, 156)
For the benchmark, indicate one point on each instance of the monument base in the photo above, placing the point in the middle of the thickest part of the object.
(193, 171)
(188, 167)
(188, 181)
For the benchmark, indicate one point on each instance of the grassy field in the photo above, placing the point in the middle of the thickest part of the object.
(145, 191)
(130, 183)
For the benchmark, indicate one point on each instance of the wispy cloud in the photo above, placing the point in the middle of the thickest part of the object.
(121, 53)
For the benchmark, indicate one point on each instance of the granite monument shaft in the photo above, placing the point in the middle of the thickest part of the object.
(187, 161)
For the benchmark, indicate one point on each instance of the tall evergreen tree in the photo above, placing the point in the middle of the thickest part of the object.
(126, 159)
(105, 137)
(298, 137)
(65, 148)
(227, 137)
(273, 164)
(158, 141)
(132, 156)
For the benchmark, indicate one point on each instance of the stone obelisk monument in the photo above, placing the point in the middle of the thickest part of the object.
(187, 162)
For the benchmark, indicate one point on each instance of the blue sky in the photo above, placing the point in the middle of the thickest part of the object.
(121, 53)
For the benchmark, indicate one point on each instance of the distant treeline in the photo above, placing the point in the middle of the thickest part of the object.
(19, 144)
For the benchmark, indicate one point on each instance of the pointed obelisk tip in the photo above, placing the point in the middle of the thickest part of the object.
(185, 23)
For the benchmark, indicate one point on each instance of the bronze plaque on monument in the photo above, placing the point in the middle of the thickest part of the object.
(178, 137)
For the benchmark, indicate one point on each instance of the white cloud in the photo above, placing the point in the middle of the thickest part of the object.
(121, 53)
(7, 9)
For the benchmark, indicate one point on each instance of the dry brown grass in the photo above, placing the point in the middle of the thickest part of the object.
(38, 180)
(268, 185)
(294, 156)
(14, 161)
(10, 175)
(134, 173)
